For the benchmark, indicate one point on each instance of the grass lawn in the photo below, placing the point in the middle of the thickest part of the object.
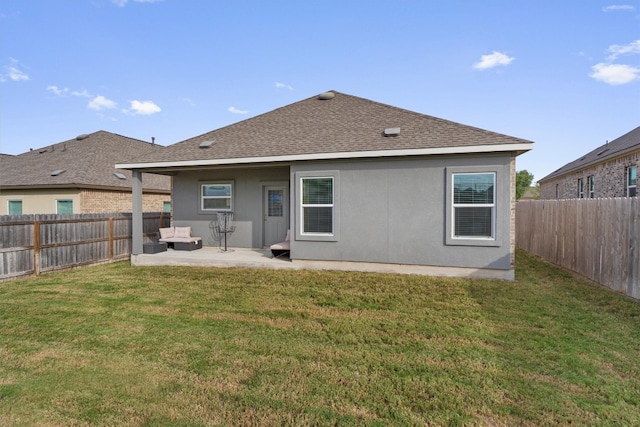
(176, 346)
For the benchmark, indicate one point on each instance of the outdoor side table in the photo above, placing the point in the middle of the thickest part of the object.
(154, 247)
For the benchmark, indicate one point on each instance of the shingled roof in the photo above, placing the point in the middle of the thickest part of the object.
(618, 147)
(87, 161)
(323, 125)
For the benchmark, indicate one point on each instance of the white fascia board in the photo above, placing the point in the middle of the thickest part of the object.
(332, 156)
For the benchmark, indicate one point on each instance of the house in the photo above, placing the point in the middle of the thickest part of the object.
(356, 181)
(610, 170)
(79, 176)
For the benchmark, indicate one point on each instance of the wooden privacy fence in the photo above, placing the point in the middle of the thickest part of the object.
(597, 238)
(33, 244)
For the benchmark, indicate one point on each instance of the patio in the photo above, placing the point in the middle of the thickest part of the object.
(210, 256)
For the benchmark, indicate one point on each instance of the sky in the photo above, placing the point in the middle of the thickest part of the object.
(564, 74)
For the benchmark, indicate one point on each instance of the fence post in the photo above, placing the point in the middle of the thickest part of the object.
(36, 247)
(111, 240)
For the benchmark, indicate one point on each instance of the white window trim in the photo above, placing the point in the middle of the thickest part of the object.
(581, 188)
(591, 186)
(629, 186)
(500, 196)
(203, 198)
(299, 220)
(454, 206)
(317, 205)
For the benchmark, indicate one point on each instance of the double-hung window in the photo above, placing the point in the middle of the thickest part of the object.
(632, 179)
(474, 205)
(581, 188)
(317, 205)
(216, 197)
(591, 184)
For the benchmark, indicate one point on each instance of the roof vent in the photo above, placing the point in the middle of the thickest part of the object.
(119, 175)
(391, 132)
(603, 151)
(57, 172)
(81, 137)
(207, 144)
(326, 95)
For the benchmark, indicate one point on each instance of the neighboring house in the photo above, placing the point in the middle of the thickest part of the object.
(610, 170)
(355, 181)
(79, 176)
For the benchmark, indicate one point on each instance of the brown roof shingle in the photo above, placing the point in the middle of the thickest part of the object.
(88, 162)
(344, 123)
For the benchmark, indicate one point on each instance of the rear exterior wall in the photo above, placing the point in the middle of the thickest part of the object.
(387, 210)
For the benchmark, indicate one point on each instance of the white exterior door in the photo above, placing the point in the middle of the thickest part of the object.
(275, 211)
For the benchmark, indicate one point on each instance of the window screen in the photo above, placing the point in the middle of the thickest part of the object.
(474, 205)
(317, 205)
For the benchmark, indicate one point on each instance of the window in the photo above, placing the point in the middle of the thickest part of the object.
(632, 179)
(317, 205)
(217, 197)
(64, 206)
(166, 206)
(581, 188)
(15, 207)
(591, 186)
(474, 205)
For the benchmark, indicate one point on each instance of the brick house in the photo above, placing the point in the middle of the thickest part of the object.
(610, 170)
(79, 176)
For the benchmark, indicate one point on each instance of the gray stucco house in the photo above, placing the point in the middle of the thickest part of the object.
(356, 181)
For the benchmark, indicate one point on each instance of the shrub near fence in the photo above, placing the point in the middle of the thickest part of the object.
(597, 238)
(32, 244)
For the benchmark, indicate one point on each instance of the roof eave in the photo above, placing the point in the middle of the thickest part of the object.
(518, 149)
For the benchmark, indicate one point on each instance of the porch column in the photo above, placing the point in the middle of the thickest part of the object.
(136, 213)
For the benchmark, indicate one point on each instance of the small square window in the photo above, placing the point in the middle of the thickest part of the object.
(15, 207)
(64, 206)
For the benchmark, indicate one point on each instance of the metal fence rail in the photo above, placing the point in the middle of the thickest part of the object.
(597, 238)
(33, 244)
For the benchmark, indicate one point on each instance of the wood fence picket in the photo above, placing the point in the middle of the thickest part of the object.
(597, 238)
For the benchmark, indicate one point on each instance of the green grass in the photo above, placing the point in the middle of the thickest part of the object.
(174, 346)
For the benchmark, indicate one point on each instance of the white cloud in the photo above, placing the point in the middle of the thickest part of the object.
(81, 93)
(617, 50)
(491, 60)
(283, 86)
(101, 103)
(56, 90)
(234, 110)
(13, 72)
(615, 74)
(618, 7)
(65, 91)
(145, 108)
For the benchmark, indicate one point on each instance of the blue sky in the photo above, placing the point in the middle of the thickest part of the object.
(562, 73)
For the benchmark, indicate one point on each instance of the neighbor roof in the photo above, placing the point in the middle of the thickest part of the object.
(618, 147)
(331, 125)
(87, 161)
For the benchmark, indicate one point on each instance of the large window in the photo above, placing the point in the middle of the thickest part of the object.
(632, 179)
(317, 205)
(15, 207)
(474, 205)
(64, 206)
(216, 197)
(591, 185)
